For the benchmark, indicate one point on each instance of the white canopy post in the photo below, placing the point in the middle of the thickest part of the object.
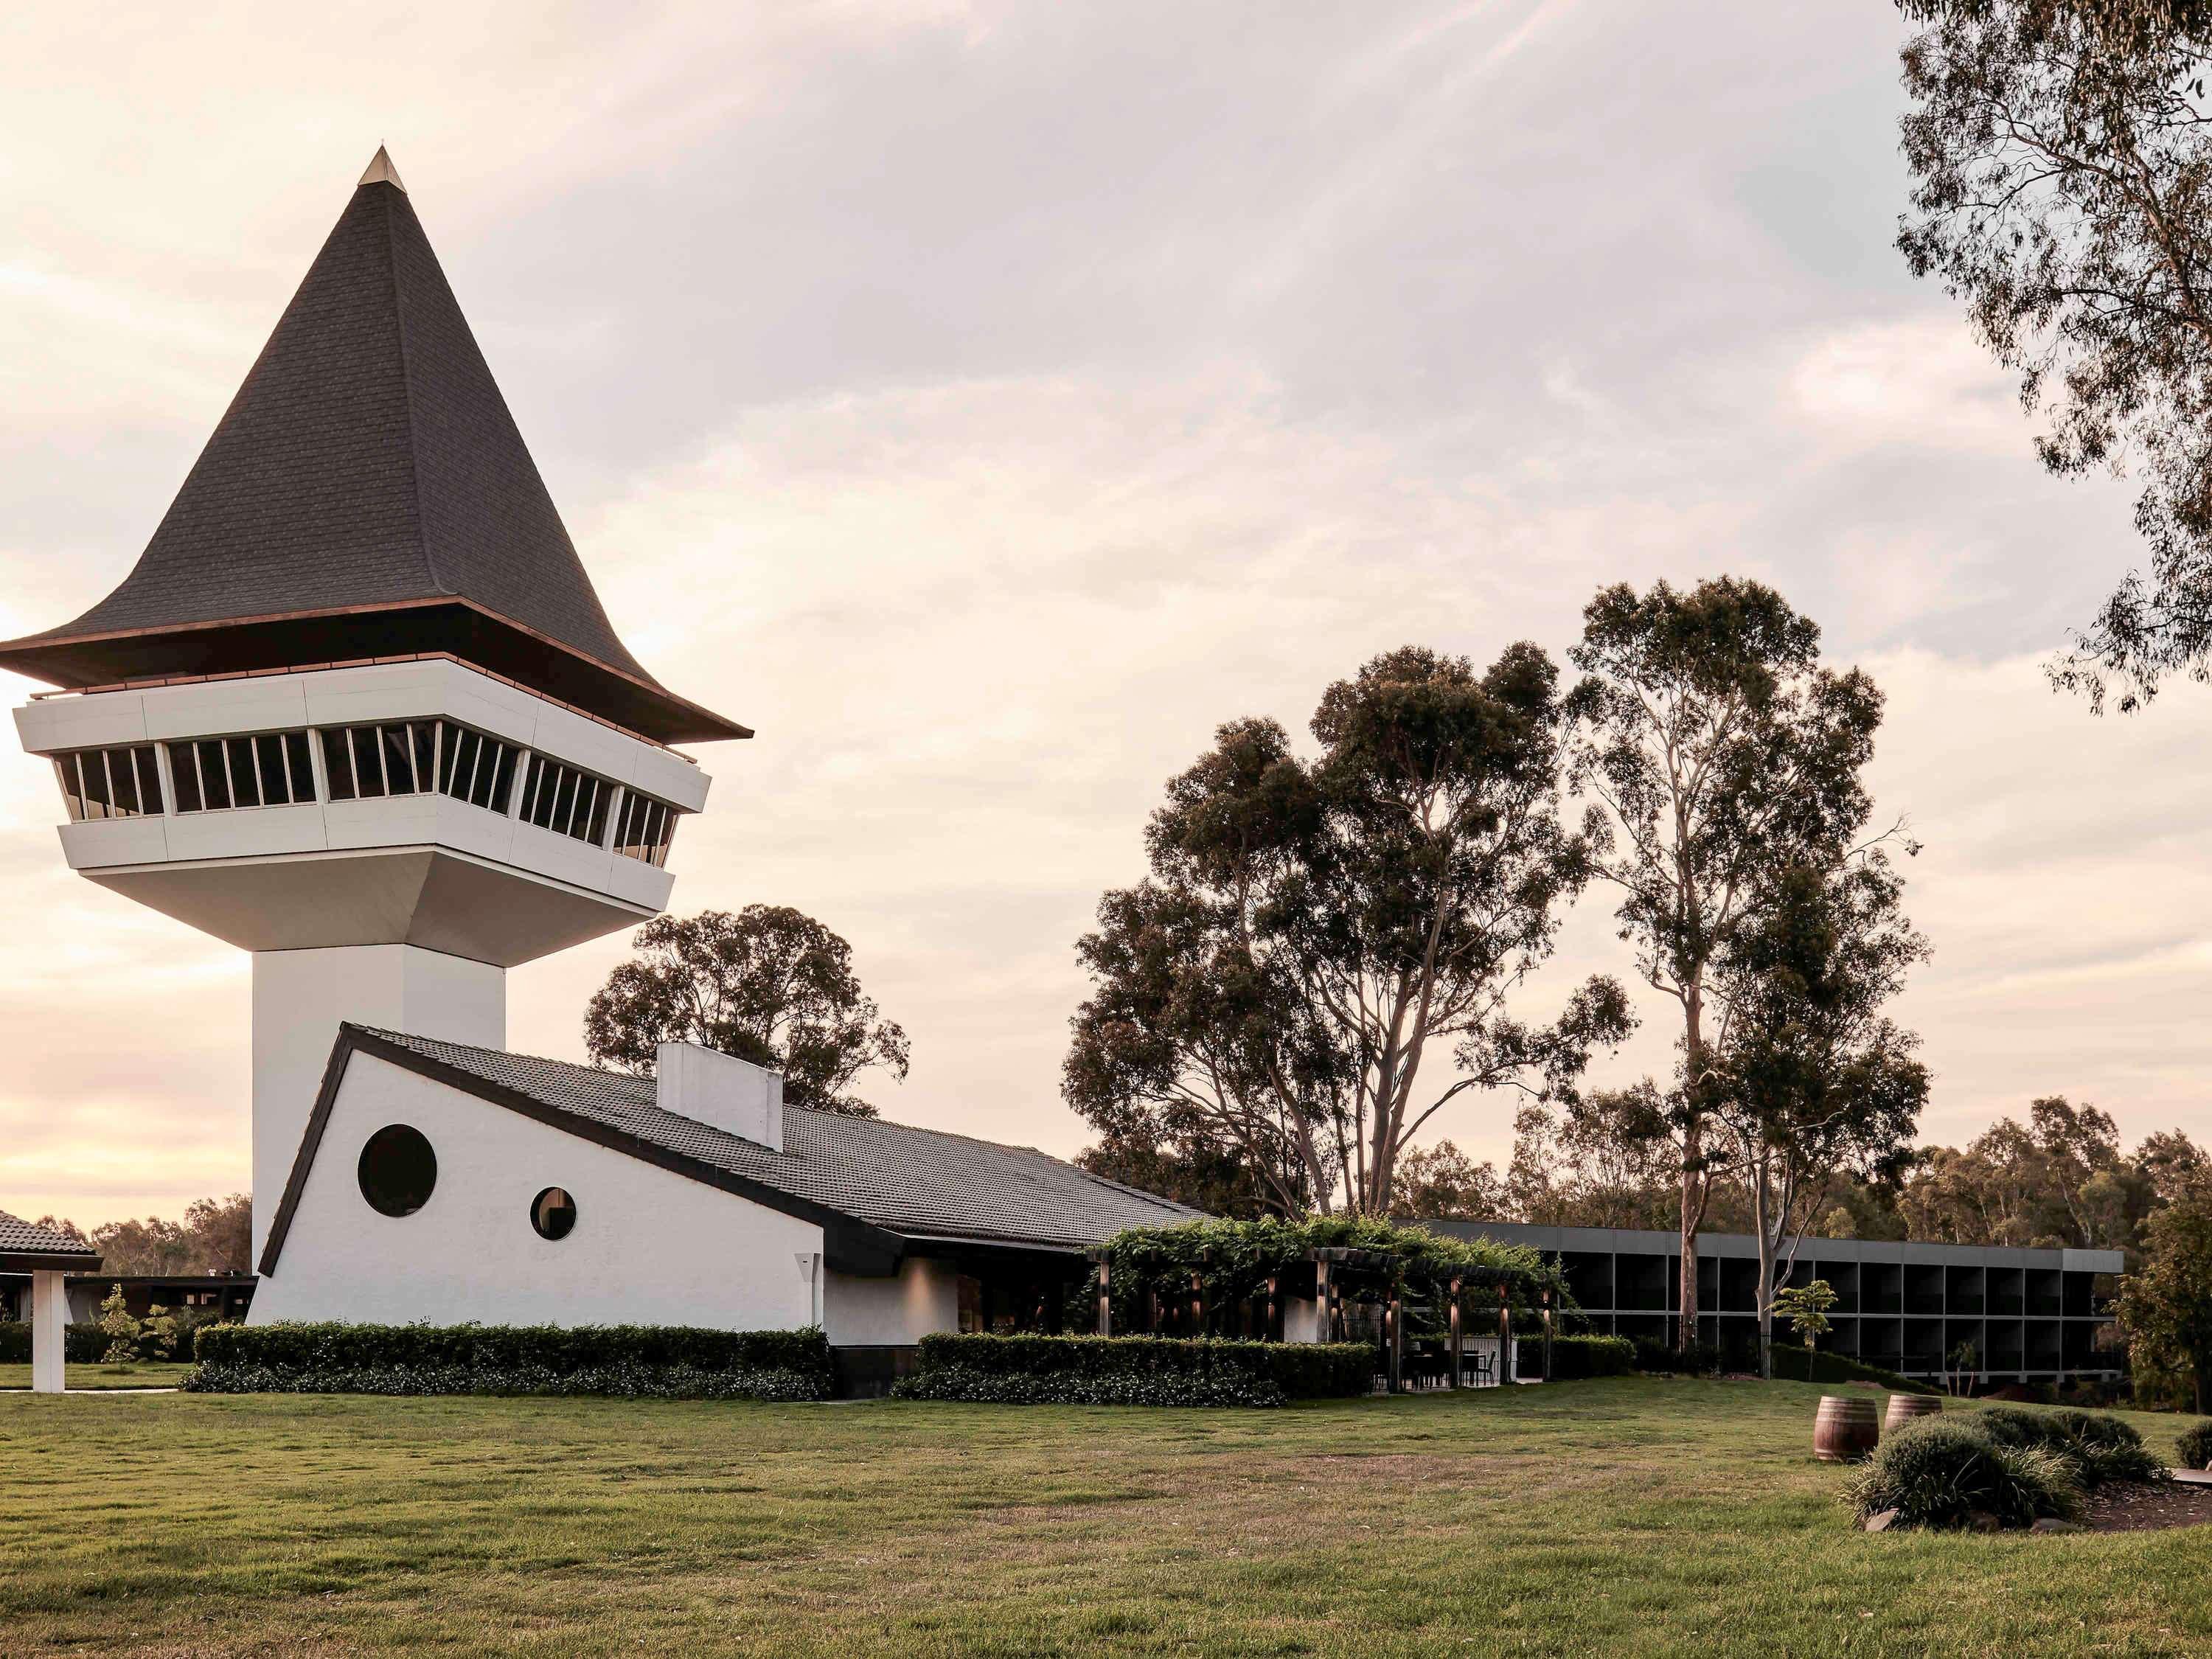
(49, 1332)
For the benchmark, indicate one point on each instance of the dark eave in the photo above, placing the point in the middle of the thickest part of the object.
(441, 626)
(32, 1262)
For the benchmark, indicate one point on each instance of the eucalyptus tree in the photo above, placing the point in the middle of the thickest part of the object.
(1325, 952)
(2061, 188)
(1815, 1080)
(767, 983)
(1713, 751)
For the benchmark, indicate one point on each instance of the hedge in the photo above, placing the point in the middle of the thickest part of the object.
(81, 1344)
(1590, 1356)
(668, 1361)
(1798, 1364)
(1147, 1370)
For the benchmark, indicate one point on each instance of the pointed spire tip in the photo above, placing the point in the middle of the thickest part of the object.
(382, 172)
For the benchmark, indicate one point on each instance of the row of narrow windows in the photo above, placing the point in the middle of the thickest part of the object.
(365, 763)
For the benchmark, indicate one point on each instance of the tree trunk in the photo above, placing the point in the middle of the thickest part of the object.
(1692, 1171)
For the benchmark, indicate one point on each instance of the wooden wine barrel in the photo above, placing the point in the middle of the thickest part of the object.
(1909, 1408)
(1845, 1430)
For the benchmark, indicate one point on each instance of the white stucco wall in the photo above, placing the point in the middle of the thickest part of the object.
(649, 1247)
(925, 1296)
(299, 997)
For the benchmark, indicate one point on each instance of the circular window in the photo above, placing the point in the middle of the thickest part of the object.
(553, 1212)
(398, 1171)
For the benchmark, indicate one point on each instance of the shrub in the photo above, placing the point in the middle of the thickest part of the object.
(1700, 1359)
(1062, 1368)
(1942, 1471)
(1591, 1356)
(2195, 1449)
(2101, 1447)
(122, 1328)
(638, 1360)
(966, 1382)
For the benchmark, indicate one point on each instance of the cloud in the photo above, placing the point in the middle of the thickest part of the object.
(985, 401)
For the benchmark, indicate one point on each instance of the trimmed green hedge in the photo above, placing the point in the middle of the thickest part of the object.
(1589, 1356)
(1137, 1371)
(670, 1361)
(1795, 1364)
(81, 1344)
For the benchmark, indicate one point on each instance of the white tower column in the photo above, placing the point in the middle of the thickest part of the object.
(298, 999)
(49, 1332)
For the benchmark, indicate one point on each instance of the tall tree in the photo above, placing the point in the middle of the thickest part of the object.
(2062, 187)
(1314, 932)
(1714, 748)
(768, 983)
(2165, 1307)
(1442, 1182)
(1814, 1080)
(2060, 1179)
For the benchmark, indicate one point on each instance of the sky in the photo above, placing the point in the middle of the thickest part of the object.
(986, 402)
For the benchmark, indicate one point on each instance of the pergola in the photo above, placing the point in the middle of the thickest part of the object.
(1327, 1277)
(45, 1255)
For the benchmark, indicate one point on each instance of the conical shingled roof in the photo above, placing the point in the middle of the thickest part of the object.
(367, 494)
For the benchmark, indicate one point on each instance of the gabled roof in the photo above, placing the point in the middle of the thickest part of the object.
(367, 494)
(25, 1248)
(893, 1181)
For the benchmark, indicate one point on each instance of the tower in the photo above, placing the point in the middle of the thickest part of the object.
(357, 709)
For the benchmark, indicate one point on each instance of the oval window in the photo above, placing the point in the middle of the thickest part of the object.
(398, 1171)
(553, 1212)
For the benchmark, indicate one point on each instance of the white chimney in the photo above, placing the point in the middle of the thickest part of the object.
(720, 1089)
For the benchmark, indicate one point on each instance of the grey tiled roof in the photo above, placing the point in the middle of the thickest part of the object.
(20, 1237)
(368, 467)
(369, 457)
(920, 1183)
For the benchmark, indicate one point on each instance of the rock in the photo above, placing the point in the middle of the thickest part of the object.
(1882, 1522)
(1983, 1521)
(2052, 1523)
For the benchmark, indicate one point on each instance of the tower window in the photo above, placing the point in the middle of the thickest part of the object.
(567, 801)
(398, 1171)
(213, 774)
(644, 827)
(110, 783)
(413, 757)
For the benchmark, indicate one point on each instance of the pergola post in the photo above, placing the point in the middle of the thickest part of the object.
(1197, 1304)
(49, 1332)
(1105, 1299)
(1504, 1336)
(1323, 1325)
(1455, 1338)
(1268, 1333)
(1548, 1336)
(1395, 1316)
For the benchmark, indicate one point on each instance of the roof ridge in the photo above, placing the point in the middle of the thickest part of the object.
(811, 1111)
(407, 384)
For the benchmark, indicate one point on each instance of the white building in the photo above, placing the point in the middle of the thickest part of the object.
(357, 710)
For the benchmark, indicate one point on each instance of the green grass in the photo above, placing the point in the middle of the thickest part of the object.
(149, 1374)
(1621, 1516)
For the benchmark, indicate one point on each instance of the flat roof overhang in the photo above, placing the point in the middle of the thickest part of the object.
(448, 625)
(37, 1261)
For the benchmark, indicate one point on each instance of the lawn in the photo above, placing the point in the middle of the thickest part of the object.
(144, 1375)
(1623, 1517)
